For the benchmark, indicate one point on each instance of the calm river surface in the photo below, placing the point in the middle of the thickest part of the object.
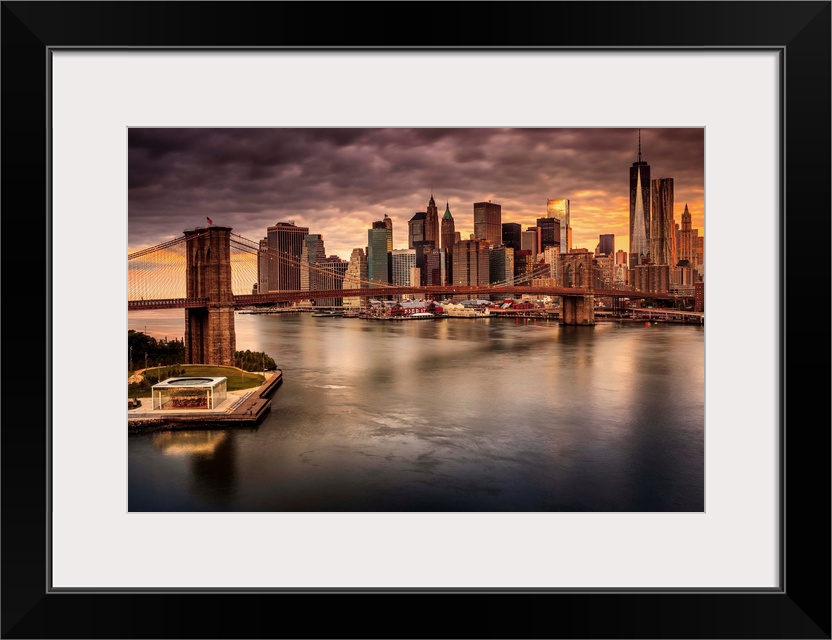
(447, 415)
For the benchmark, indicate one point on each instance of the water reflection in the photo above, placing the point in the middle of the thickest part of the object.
(181, 443)
(454, 415)
(208, 455)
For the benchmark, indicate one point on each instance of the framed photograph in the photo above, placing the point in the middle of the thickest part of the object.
(110, 108)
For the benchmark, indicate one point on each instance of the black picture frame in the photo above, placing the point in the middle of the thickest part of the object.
(799, 31)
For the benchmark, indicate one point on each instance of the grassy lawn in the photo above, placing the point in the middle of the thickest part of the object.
(237, 378)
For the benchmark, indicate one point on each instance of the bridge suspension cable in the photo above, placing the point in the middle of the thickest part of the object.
(253, 247)
(158, 247)
(158, 272)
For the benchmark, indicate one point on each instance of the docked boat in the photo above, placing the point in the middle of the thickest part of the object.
(327, 314)
(419, 315)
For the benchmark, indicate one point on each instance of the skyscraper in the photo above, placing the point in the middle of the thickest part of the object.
(639, 209)
(551, 257)
(559, 209)
(388, 225)
(435, 267)
(511, 235)
(403, 261)
(488, 223)
(416, 229)
(606, 244)
(379, 256)
(524, 263)
(312, 252)
(449, 238)
(501, 266)
(432, 223)
(548, 233)
(422, 249)
(685, 246)
(328, 275)
(699, 253)
(285, 244)
(471, 263)
(602, 272)
(263, 266)
(529, 241)
(355, 276)
(662, 227)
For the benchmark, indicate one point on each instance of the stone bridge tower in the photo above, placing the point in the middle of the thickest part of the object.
(577, 272)
(209, 331)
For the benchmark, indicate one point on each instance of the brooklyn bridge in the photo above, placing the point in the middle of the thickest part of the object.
(210, 272)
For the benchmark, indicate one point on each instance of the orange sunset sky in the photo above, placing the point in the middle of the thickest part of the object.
(338, 181)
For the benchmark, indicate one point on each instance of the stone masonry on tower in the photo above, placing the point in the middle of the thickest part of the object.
(209, 331)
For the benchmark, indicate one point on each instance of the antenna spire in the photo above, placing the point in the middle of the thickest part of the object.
(639, 145)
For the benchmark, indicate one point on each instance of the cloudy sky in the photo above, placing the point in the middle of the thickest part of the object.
(338, 181)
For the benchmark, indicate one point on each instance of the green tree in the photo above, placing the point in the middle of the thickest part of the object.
(253, 360)
(143, 348)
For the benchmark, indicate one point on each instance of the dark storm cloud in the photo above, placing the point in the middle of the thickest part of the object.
(338, 181)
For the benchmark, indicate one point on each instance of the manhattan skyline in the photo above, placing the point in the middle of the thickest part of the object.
(339, 181)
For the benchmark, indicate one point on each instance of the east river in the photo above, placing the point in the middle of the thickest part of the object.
(445, 415)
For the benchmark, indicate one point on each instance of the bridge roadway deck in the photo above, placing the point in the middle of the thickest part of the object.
(249, 300)
(246, 407)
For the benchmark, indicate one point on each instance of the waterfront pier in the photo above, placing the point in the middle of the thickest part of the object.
(241, 408)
